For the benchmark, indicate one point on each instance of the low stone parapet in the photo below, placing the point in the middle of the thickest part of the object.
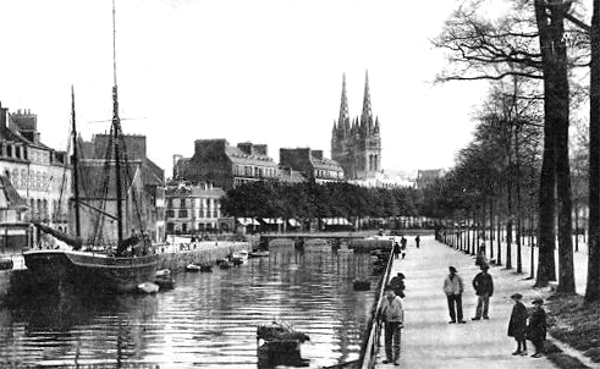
(176, 257)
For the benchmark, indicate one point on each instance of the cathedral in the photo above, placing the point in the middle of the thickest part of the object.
(356, 144)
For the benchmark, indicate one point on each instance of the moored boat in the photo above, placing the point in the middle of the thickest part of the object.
(259, 254)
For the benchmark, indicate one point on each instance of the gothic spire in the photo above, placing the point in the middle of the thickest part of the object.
(367, 116)
(344, 116)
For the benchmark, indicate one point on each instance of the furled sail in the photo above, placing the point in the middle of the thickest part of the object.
(75, 242)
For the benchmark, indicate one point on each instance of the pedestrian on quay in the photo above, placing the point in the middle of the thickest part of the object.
(403, 242)
(517, 326)
(392, 316)
(417, 240)
(480, 259)
(398, 283)
(484, 289)
(536, 329)
(453, 288)
(396, 250)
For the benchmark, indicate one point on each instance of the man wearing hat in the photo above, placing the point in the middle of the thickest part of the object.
(484, 289)
(536, 330)
(453, 288)
(517, 326)
(392, 315)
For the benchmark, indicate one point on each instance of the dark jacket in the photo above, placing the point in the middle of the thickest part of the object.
(483, 283)
(517, 326)
(398, 284)
(536, 330)
(396, 248)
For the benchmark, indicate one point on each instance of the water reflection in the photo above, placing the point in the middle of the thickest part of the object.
(209, 320)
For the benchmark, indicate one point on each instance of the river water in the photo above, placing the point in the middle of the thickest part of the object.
(209, 320)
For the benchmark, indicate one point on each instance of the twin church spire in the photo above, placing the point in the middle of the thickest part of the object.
(365, 125)
(356, 143)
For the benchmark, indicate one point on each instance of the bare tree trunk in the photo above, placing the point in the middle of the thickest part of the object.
(592, 292)
(547, 201)
(491, 228)
(519, 205)
(509, 220)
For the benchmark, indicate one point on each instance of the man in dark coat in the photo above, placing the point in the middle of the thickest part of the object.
(536, 330)
(517, 326)
(417, 240)
(396, 250)
(484, 289)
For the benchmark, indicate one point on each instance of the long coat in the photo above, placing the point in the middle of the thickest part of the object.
(536, 330)
(517, 326)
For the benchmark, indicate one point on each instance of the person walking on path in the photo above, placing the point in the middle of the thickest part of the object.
(392, 315)
(453, 288)
(536, 330)
(398, 283)
(480, 259)
(417, 240)
(403, 242)
(396, 250)
(517, 326)
(484, 289)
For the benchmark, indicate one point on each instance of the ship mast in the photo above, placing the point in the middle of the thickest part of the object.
(75, 160)
(116, 131)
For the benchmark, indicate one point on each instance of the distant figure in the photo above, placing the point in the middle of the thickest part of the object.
(453, 288)
(517, 326)
(536, 330)
(398, 283)
(392, 315)
(418, 240)
(396, 250)
(480, 259)
(484, 289)
(403, 242)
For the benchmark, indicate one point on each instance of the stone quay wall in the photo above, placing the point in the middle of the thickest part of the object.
(176, 257)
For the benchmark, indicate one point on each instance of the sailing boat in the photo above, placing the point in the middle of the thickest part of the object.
(119, 269)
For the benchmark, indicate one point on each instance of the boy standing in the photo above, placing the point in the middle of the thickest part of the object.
(453, 288)
(517, 325)
(536, 330)
(392, 315)
(484, 289)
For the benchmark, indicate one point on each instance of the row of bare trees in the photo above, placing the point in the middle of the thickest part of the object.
(530, 56)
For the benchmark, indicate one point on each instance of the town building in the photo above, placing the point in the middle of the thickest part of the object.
(215, 161)
(388, 179)
(356, 144)
(192, 209)
(428, 177)
(311, 164)
(40, 175)
(142, 191)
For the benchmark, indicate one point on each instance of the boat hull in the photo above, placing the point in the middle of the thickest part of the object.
(98, 271)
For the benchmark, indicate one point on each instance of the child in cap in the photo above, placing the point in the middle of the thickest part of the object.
(517, 325)
(536, 330)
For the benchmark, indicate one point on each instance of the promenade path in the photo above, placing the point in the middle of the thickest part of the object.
(428, 341)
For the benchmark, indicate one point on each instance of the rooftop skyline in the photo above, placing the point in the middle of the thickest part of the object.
(266, 72)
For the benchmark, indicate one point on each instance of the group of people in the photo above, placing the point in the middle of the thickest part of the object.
(522, 325)
(400, 248)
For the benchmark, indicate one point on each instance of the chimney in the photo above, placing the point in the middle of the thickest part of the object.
(260, 150)
(317, 154)
(3, 116)
(246, 147)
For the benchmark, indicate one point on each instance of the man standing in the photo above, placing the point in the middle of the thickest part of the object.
(453, 288)
(418, 240)
(484, 289)
(396, 250)
(392, 315)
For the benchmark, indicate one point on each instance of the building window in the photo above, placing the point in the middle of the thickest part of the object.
(170, 227)
(170, 203)
(170, 213)
(182, 214)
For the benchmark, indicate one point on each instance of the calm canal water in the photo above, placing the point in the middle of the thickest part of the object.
(208, 321)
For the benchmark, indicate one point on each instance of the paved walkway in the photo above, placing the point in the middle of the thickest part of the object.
(428, 341)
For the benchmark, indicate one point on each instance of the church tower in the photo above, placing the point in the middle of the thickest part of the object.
(356, 144)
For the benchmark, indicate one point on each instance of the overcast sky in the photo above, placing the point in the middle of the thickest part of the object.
(261, 71)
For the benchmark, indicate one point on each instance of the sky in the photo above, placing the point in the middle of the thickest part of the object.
(261, 71)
